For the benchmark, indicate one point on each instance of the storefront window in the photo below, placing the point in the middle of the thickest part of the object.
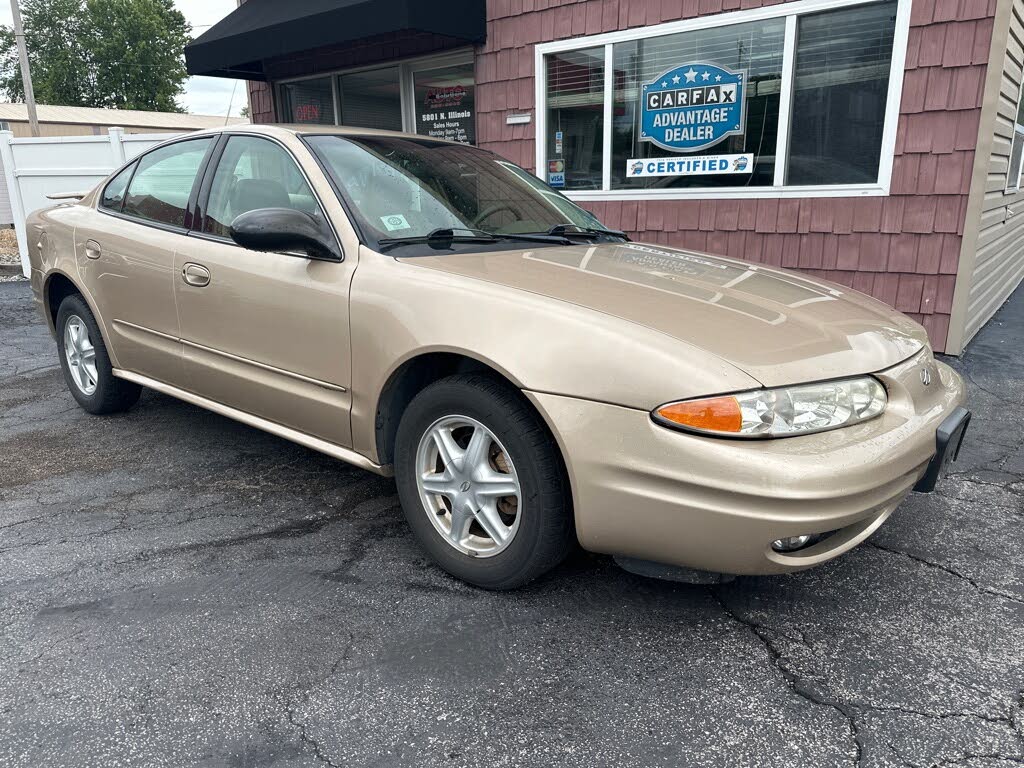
(575, 119)
(371, 99)
(445, 103)
(778, 98)
(753, 49)
(308, 101)
(840, 93)
(432, 97)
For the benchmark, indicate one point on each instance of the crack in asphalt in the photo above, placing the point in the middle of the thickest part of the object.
(793, 681)
(999, 398)
(291, 710)
(946, 569)
(853, 713)
(305, 738)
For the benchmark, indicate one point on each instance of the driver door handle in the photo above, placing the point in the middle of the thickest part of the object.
(196, 275)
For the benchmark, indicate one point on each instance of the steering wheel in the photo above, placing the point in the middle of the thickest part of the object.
(490, 210)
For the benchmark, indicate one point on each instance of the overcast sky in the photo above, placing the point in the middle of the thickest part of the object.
(203, 95)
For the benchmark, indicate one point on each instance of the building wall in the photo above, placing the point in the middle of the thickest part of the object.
(261, 103)
(993, 254)
(903, 249)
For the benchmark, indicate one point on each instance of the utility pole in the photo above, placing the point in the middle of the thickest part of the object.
(26, 73)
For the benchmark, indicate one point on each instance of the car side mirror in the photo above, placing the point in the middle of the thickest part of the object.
(284, 229)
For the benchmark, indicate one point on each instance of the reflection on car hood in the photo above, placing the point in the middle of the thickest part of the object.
(779, 327)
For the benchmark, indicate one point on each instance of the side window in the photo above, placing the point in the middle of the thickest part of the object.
(255, 173)
(163, 183)
(113, 195)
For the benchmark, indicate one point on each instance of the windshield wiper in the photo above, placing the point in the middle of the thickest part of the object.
(439, 237)
(448, 235)
(568, 230)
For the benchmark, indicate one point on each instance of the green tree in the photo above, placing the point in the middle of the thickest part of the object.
(55, 32)
(138, 50)
(121, 54)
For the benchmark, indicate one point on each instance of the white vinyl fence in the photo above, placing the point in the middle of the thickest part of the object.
(35, 168)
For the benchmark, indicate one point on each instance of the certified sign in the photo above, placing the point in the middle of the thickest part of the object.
(693, 107)
(693, 165)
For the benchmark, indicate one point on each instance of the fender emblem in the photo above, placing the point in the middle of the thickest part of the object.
(926, 377)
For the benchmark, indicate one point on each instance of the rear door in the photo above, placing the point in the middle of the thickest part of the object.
(125, 254)
(266, 333)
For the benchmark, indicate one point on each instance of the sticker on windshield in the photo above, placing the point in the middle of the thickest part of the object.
(394, 222)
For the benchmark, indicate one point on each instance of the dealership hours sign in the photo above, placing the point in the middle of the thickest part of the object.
(693, 107)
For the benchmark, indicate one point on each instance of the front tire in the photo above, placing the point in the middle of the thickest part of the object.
(482, 483)
(86, 364)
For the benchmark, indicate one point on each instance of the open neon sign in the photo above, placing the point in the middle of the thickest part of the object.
(307, 113)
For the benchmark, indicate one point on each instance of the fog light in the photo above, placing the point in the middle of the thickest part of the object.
(791, 543)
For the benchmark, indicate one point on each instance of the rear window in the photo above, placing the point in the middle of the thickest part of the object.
(163, 183)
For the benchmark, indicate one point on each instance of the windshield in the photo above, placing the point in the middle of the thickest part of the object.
(404, 188)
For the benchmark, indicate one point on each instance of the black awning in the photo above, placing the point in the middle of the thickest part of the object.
(267, 29)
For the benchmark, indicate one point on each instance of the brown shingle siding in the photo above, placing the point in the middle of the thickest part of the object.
(947, 10)
(933, 44)
(903, 253)
(922, 12)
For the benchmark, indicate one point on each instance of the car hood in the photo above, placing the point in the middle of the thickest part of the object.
(779, 327)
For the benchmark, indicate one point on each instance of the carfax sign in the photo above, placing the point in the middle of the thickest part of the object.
(693, 107)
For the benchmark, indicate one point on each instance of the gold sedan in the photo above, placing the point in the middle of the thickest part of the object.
(531, 379)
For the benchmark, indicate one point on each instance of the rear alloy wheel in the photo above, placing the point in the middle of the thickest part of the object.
(481, 482)
(80, 353)
(86, 365)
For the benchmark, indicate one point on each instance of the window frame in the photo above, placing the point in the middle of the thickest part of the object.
(1013, 189)
(790, 11)
(209, 171)
(193, 194)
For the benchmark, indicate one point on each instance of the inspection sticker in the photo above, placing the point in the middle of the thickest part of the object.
(395, 222)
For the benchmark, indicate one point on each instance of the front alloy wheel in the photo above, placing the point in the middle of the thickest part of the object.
(468, 486)
(482, 482)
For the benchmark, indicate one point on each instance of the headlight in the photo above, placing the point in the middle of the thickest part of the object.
(779, 412)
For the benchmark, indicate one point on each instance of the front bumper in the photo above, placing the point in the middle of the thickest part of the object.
(647, 492)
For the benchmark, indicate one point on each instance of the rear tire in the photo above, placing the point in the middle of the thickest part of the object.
(525, 533)
(86, 364)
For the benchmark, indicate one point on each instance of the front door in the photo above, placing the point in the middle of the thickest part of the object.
(266, 333)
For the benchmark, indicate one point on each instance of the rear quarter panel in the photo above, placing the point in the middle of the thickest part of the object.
(51, 251)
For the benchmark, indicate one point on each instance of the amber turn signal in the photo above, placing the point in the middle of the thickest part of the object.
(716, 414)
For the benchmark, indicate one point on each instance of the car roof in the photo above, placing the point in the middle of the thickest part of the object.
(278, 129)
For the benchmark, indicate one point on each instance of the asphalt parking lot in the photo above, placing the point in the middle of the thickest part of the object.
(177, 589)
